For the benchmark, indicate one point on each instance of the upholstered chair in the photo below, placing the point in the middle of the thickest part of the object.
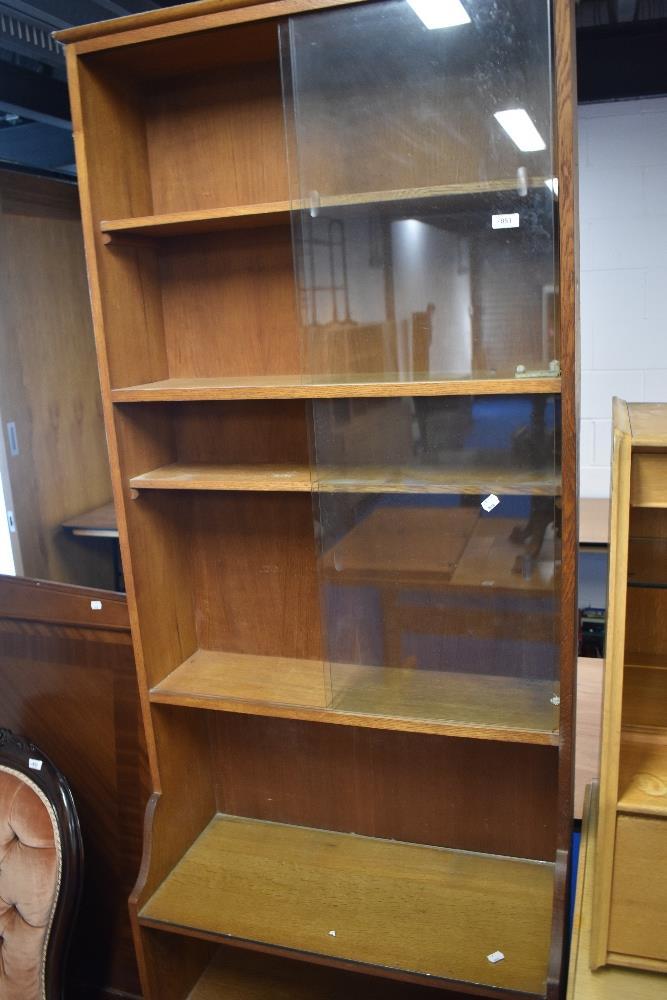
(41, 860)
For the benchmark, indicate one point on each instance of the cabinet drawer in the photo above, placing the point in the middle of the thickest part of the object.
(638, 920)
(648, 483)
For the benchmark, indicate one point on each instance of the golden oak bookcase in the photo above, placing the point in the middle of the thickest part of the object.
(630, 887)
(334, 312)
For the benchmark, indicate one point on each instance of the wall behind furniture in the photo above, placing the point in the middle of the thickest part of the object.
(623, 245)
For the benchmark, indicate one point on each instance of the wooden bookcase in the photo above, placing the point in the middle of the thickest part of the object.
(630, 903)
(318, 357)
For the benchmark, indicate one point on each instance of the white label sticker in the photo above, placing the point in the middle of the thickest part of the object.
(13, 439)
(96, 605)
(490, 502)
(35, 764)
(495, 956)
(510, 221)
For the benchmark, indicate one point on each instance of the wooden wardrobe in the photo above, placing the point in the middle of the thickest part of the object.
(331, 254)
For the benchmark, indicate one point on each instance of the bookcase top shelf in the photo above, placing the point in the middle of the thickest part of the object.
(417, 479)
(278, 212)
(372, 902)
(472, 706)
(297, 387)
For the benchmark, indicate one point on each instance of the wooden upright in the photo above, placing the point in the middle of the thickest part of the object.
(334, 307)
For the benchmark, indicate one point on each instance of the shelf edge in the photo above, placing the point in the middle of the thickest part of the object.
(361, 720)
(464, 387)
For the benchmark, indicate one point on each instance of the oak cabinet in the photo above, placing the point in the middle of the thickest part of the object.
(630, 886)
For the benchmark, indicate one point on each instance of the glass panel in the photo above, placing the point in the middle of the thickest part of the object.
(425, 241)
(438, 520)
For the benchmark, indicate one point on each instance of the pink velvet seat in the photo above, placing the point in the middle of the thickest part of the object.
(40, 869)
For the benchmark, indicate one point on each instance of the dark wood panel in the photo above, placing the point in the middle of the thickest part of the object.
(363, 781)
(60, 604)
(69, 685)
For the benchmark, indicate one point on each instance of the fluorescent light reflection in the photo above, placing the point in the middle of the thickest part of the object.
(521, 129)
(552, 184)
(440, 13)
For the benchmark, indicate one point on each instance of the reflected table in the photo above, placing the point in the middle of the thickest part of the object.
(100, 522)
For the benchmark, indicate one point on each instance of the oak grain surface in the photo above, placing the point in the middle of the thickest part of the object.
(468, 705)
(413, 908)
(418, 479)
(299, 387)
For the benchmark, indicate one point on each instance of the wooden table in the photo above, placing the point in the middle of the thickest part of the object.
(436, 547)
(97, 523)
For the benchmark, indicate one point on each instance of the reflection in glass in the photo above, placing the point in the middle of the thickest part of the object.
(437, 604)
(425, 245)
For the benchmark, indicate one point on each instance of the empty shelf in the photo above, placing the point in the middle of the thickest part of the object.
(353, 479)
(295, 387)
(236, 974)
(199, 476)
(404, 907)
(278, 212)
(207, 221)
(472, 706)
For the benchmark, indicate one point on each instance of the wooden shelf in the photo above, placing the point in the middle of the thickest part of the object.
(237, 974)
(418, 910)
(360, 479)
(209, 221)
(443, 703)
(642, 786)
(278, 212)
(177, 390)
(200, 476)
